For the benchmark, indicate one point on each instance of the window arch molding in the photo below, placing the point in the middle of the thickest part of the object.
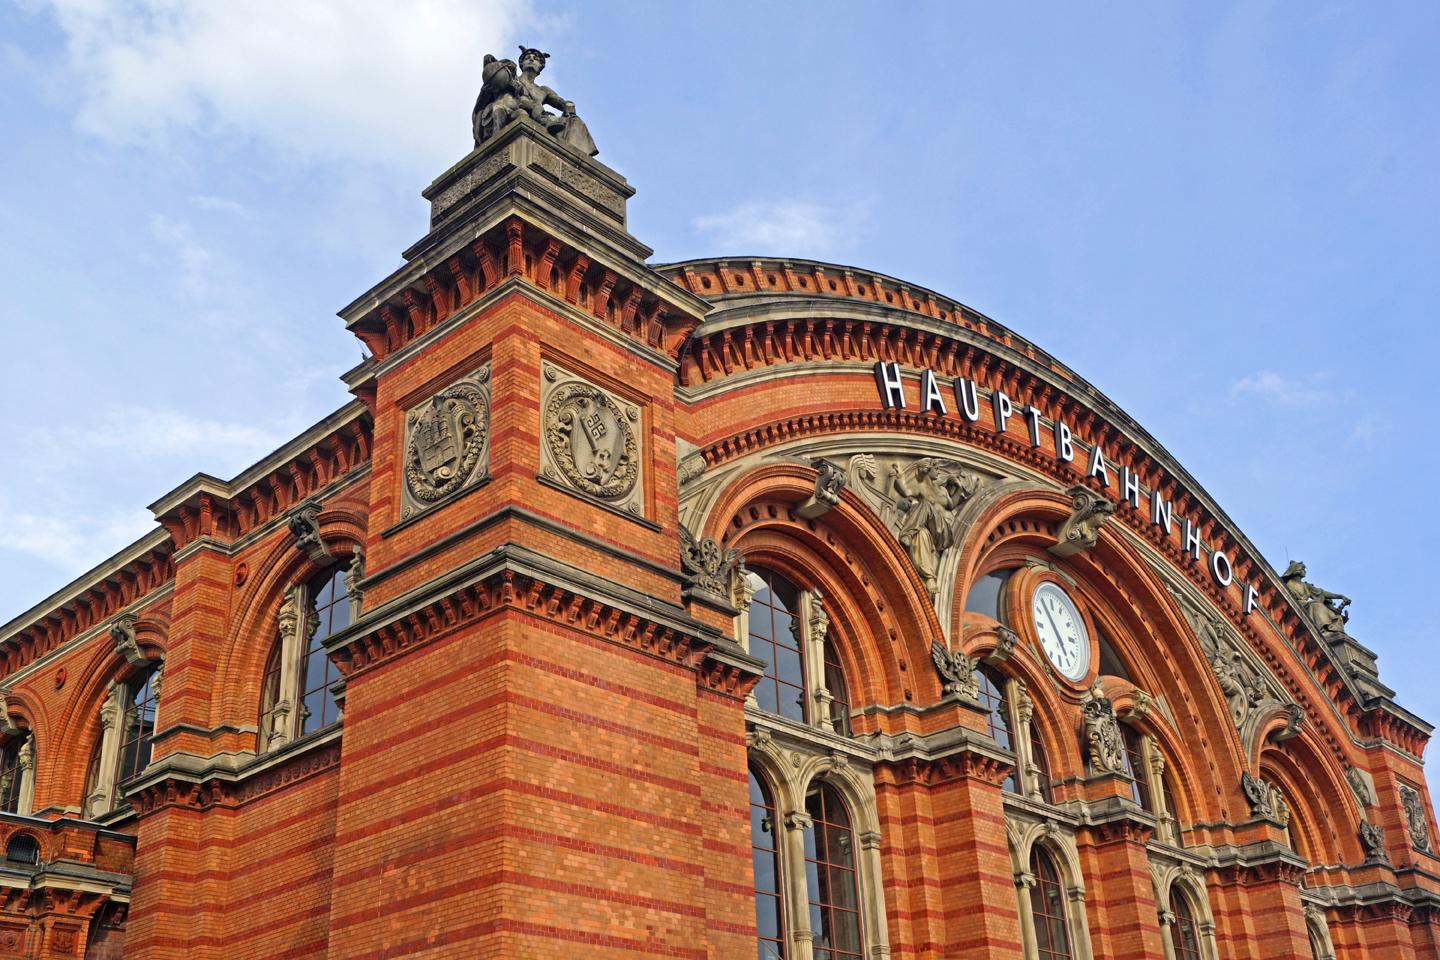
(240, 674)
(790, 782)
(1172, 761)
(1311, 797)
(20, 752)
(753, 511)
(1181, 880)
(105, 733)
(1025, 837)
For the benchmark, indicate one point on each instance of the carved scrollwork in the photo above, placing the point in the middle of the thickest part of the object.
(304, 524)
(829, 482)
(957, 672)
(1081, 530)
(1106, 748)
(122, 634)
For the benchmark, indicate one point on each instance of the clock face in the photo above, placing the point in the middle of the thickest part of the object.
(1061, 630)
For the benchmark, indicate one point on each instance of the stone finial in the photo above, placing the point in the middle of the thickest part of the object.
(1106, 748)
(122, 634)
(1081, 530)
(957, 672)
(707, 565)
(829, 482)
(509, 90)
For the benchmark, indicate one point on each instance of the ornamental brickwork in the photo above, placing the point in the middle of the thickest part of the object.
(697, 610)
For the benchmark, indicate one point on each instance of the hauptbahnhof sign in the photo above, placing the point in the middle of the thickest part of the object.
(1004, 409)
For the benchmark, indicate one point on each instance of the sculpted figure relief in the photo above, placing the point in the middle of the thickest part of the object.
(509, 90)
(920, 500)
(1327, 610)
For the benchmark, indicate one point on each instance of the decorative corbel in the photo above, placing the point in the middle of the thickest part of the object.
(829, 482)
(1005, 643)
(1294, 721)
(1138, 708)
(305, 525)
(1081, 530)
(122, 634)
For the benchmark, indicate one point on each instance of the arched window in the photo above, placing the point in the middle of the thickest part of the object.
(1174, 811)
(830, 868)
(1184, 931)
(13, 773)
(775, 637)
(138, 727)
(23, 848)
(765, 859)
(271, 715)
(1136, 767)
(839, 689)
(1047, 908)
(328, 614)
(1109, 663)
(997, 715)
(987, 594)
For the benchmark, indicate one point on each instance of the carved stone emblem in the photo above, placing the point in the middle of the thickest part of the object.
(1265, 799)
(1106, 748)
(447, 442)
(1372, 838)
(707, 565)
(1081, 529)
(957, 672)
(829, 481)
(592, 440)
(1416, 822)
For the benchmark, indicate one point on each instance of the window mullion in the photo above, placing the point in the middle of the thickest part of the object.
(816, 625)
(293, 625)
(112, 720)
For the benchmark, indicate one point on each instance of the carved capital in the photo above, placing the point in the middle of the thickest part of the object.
(798, 820)
(1025, 879)
(869, 840)
(1081, 530)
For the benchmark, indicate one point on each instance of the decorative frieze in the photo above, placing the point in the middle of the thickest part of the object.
(593, 442)
(447, 443)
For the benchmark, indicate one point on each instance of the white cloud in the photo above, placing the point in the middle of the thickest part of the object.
(1310, 391)
(221, 204)
(791, 227)
(197, 268)
(142, 433)
(72, 541)
(366, 80)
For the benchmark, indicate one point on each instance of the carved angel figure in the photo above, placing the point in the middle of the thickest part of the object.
(1326, 609)
(929, 494)
(508, 90)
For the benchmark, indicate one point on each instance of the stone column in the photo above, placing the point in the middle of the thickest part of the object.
(817, 626)
(285, 716)
(1167, 828)
(1024, 880)
(112, 714)
(26, 763)
(1167, 933)
(797, 907)
(1027, 771)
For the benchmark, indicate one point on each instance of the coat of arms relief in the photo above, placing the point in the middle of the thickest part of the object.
(447, 443)
(592, 440)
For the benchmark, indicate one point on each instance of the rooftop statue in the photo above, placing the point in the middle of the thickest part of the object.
(1325, 609)
(508, 91)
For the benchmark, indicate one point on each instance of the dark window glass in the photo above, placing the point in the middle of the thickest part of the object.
(139, 727)
(987, 594)
(765, 858)
(1135, 764)
(23, 848)
(1110, 664)
(92, 778)
(269, 695)
(1184, 931)
(10, 774)
(834, 895)
(1047, 906)
(997, 715)
(1042, 763)
(775, 638)
(328, 613)
(839, 690)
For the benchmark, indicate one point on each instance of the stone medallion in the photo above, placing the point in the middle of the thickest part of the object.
(447, 442)
(592, 440)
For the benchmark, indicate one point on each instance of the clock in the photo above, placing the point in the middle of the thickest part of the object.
(1061, 630)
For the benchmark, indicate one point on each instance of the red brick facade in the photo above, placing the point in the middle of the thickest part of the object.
(551, 710)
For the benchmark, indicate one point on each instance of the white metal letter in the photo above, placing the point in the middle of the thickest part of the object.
(968, 398)
(930, 399)
(887, 378)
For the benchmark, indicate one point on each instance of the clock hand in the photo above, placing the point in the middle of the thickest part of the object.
(1053, 625)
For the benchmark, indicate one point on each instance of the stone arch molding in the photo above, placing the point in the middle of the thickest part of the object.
(1184, 879)
(789, 771)
(1023, 837)
(926, 492)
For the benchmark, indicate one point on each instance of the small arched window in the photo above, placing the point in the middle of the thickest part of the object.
(830, 865)
(839, 690)
(1041, 763)
(1184, 931)
(23, 848)
(328, 613)
(1174, 810)
(775, 637)
(765, 860)
(997, 715)
(138, 727)
(1048, 908)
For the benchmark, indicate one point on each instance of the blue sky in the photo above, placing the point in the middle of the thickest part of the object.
(1222, 215)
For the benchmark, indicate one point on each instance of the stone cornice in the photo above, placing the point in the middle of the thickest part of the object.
(517, 578)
